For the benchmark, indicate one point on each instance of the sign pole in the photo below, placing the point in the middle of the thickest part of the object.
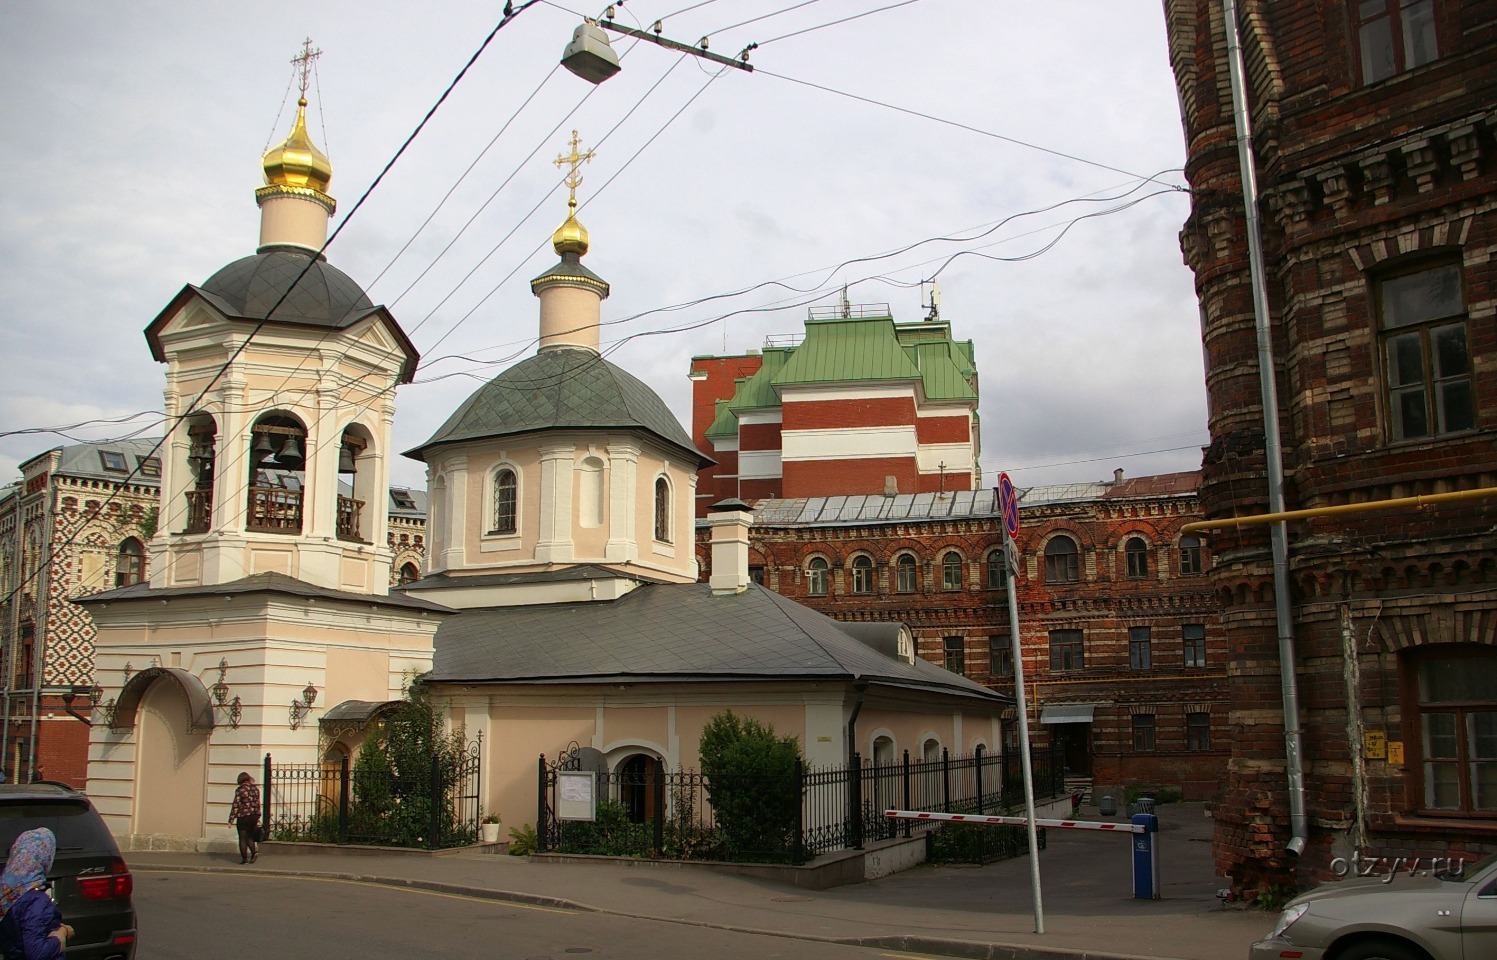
(1009, 502)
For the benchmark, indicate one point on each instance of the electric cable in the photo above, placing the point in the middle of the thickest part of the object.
(833, 23)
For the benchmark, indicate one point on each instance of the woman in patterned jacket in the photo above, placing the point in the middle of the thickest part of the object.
(244, 813)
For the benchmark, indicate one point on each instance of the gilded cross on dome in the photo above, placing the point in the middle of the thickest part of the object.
(573, 160)
(303, 62)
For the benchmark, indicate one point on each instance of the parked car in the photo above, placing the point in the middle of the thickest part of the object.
(90, 881)
(1443, 914)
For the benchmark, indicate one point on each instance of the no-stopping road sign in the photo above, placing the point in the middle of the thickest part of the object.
(1008, 501)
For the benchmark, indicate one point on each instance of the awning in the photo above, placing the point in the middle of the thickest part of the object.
(199, 707)
(1068, 713)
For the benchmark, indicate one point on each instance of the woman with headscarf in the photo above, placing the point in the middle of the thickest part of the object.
(31, 926)
(244, 813)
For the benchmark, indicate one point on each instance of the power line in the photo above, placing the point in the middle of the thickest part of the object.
(962, 126)
(833, 23)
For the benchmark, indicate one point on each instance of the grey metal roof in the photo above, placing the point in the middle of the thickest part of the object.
(586, 571)
(561, 389)
(875, 508)
(262, 583)
(904, 507)
(325, 296)
(87, 460)
(671, 632)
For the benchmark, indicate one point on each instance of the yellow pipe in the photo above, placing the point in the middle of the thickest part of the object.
(1398, 503)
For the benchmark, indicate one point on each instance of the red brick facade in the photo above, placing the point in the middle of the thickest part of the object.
(961, 606)
(1377, 177)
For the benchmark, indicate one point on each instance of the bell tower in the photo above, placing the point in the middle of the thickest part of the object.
(280, 386)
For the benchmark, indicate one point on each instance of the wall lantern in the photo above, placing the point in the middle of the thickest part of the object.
(300, 708)
(232, 709)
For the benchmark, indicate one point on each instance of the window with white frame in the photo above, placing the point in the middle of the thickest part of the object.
(862, 574)
(506, 489)
(906, 574)
(662, 510)
(951, 571)
(816, 577)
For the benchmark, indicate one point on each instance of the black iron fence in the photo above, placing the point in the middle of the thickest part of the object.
(331, 803)
(670, 814)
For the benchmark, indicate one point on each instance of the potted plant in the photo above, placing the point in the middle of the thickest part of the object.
(489, 828)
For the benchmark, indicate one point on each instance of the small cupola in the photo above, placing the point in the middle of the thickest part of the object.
(571, 295)
(294, 203)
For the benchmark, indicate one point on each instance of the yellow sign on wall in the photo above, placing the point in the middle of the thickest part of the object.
(1375, 744)
(1395, 752)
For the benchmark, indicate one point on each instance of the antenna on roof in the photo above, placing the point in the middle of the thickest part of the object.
(931, 300)
(844, 304)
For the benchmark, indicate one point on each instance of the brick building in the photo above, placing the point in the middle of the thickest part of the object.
(861, 405)
(56, 545)
(1373, 143)
(1124, 662)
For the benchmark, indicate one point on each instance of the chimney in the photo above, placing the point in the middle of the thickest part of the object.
(730, 521)
(891, 485)
(1117, 475)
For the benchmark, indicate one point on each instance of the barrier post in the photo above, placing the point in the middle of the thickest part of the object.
(1145, 857)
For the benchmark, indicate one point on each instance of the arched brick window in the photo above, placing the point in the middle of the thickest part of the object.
(1062, 561)
(862, 574)
(130, 564)
(906, 574)
(1137, 553)
(816, 578)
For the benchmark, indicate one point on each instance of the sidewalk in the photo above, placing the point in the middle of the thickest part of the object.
(980, 912)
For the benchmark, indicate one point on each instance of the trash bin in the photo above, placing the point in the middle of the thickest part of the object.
(1108, 806)
(1141, 805)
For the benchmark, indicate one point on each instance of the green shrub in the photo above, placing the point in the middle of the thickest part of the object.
(611, 834)
(751, 786)
(522, 840)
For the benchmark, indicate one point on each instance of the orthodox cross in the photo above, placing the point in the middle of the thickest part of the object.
(573, 160)
(303, 62)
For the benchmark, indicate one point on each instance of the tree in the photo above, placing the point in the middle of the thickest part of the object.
(392, 775)
(752, 786)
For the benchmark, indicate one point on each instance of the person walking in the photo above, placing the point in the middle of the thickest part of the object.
(244, 813)
(31, 926)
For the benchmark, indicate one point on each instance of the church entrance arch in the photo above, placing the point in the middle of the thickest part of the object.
(638, 775)
(171, 768)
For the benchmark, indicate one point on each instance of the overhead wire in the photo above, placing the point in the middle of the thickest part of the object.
(833, 23)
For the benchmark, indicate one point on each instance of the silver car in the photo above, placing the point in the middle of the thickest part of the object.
(1405, 914)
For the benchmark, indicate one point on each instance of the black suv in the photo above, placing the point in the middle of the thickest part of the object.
(90, 881)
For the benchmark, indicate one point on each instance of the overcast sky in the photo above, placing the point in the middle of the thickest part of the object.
(135, 131)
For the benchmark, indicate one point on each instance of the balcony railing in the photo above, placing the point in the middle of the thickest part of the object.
(199, 511)
(349, 513)
(274, 510)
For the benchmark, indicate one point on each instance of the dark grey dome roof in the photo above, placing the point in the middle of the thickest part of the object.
(561, 389)
(325, 296)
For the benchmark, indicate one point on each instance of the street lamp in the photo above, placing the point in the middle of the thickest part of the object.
(591, 57)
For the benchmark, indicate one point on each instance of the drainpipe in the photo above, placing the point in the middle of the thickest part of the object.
(1288, 682)
(860, 687)
(1355, 729)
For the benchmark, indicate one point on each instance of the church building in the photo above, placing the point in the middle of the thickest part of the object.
(560, 600)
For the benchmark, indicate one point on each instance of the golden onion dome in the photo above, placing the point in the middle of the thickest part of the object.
(297, 162)
(571, 236)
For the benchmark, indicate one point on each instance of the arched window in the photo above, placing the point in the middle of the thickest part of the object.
(1062, 561)
(505, 490)
(277, 474)
(816, 577)
(130, 564)
(862, 574)
(1137, 553)
(662, 510)
(930, 749)
(997, 569)
(951, 571)
(409, 573)
(906, 575)
(1190, 556)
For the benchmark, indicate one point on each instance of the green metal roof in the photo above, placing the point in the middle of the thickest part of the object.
(757, 392)
(941, 378)
(724, 424)
(844, 349)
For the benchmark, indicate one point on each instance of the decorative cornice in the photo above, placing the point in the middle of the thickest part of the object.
(301, 193)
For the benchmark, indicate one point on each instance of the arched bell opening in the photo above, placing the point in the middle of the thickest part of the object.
(277, 474)
(358, 500)
(202, 460)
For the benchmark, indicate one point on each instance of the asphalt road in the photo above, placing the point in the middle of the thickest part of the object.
(225, 917)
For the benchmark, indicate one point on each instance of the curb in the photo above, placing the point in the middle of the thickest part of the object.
(934, 946)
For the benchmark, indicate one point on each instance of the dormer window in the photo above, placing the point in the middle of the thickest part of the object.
(113, 461)
(149, 467)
